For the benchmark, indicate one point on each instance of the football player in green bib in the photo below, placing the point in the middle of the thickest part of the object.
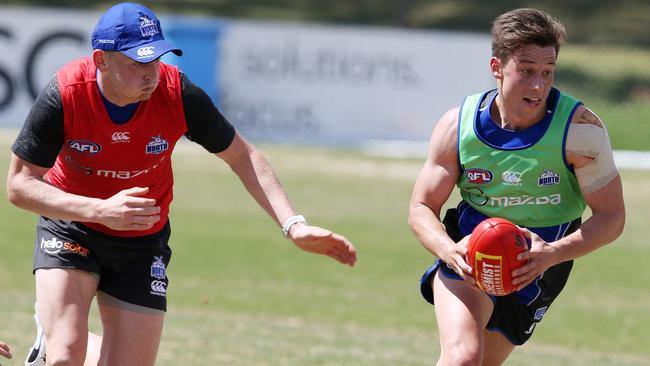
(526, 152)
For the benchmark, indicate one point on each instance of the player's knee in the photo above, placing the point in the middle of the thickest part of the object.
(461, 355)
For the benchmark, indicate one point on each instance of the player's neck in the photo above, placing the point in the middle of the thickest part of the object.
(510, 120)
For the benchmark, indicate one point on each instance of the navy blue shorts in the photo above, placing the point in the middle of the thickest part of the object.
(515, 315)
(131, 269)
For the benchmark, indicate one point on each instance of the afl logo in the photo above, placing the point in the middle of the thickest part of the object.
(85, 147)
(478, 176)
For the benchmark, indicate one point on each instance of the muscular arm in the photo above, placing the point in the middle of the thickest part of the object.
(601, 188)
(27, 189)
(432, 188)
(260, 180)
(258, 177)
(604, 226)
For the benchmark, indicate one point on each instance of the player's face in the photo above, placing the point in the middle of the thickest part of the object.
(132, 81)
(525, 81)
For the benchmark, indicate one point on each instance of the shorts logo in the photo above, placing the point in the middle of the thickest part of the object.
(157, 145)
(55, 246)
(478, 176)
(158, 288)
(539, 313)
(158, 268)
(548, 178)
(85, 147)
(511, 178)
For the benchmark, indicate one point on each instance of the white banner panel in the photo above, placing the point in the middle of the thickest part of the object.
(34, 43)
(276, 82)
(343, 85)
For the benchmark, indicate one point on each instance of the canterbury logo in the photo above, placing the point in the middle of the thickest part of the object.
(120, 136)
(145, 51)
(159, 286)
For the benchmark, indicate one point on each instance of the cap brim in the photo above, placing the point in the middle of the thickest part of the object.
(151, 51)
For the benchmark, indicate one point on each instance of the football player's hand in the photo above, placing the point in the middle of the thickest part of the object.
(128, 210)
(4, 350)
(317, 240)
(540, 257)
(455, 257)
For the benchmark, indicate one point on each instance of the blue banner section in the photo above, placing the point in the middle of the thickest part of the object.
(199, 40)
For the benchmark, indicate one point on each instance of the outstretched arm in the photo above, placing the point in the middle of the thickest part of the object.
(260, 180)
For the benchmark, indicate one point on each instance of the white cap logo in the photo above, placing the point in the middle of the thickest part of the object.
(145, 51)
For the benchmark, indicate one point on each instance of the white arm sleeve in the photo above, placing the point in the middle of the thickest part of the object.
(593, 142)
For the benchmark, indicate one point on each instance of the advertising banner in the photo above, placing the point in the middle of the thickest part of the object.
(276, 82)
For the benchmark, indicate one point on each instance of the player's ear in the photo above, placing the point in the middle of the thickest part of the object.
(496, 67)
(99, 58)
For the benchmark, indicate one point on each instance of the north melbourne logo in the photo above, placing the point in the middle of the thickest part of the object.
(158, 268)
(157, 145)
(148, 27)
(548, 178)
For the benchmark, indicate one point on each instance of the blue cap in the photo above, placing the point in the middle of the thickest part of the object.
(134, 30)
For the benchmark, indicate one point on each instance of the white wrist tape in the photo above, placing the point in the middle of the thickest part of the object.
(292, 220)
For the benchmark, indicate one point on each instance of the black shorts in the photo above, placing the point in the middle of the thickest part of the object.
(131, 269)
(515, 315)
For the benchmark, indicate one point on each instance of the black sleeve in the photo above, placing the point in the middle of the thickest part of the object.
(41, 137)
(205, 124)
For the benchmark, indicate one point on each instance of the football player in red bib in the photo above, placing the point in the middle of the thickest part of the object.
(93, 159)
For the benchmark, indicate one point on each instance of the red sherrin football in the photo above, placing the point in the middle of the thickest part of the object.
(492, 253)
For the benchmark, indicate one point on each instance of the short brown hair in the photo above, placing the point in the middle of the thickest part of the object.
(520, 27)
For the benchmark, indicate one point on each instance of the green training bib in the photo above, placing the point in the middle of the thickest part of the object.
(530, 184)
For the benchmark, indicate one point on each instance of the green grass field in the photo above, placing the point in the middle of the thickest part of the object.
(241, 295)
